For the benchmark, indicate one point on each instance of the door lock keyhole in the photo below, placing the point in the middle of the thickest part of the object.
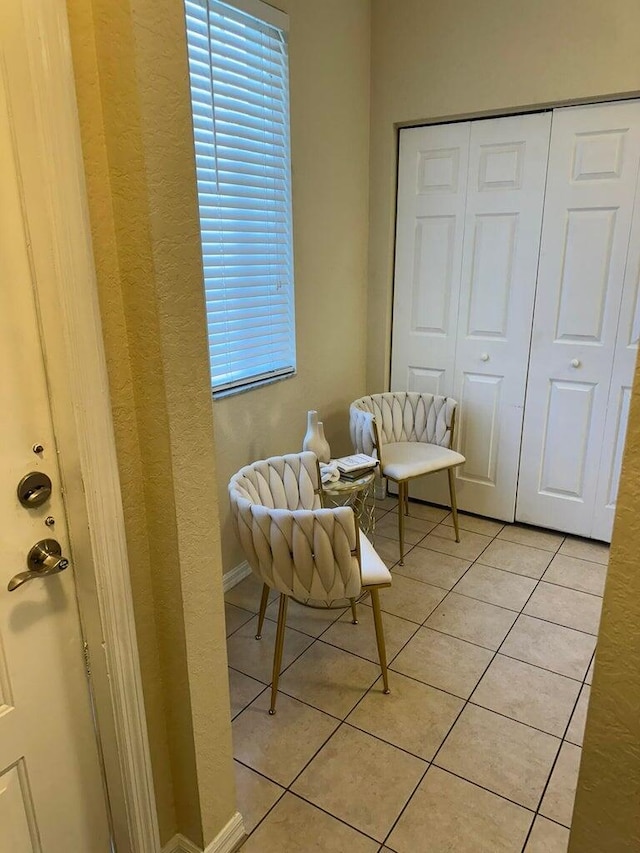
(34, 489)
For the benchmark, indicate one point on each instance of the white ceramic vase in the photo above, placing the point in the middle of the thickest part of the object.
(314, 439)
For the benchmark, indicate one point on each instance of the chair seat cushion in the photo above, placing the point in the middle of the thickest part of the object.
(374, 570)
(405, 459)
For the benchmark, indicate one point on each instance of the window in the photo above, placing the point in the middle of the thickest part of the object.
(240, 103)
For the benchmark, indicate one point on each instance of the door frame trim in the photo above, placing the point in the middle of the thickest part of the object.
(38, 70)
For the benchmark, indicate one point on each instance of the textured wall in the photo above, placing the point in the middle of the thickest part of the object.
(440, 60)
(122, 394)
(133, 97)
(607, 810)
(329, 60)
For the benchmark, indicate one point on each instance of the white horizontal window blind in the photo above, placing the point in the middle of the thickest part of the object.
(240, 102)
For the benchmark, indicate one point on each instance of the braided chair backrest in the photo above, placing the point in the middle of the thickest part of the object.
(290, 542)
(401, 416)
(281, 482)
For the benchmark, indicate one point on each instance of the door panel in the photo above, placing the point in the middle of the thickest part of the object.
(586, 268)
(569, 408)
(51, 787)
(593, 164)
(612, 470)
(482, 394)
(16, 810)
(490, 283)
(624, 363)
(425, 380)
(502, 234)
(433, 254)
(487, 262)
(432, 183)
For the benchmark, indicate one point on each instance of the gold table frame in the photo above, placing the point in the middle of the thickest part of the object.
(359, 495)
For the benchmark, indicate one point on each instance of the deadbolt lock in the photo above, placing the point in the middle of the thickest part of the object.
(34, 489)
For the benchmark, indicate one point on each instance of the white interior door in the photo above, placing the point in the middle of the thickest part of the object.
(624, 362)
(593, 166)
(505, 195)
(432, 187)
(51, 789)
(470, 199)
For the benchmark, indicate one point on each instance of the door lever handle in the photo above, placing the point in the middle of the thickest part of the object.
(44, 559)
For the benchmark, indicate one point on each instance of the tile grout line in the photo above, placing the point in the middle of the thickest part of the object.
(467, 701)
(555, 760)
(331, 815)
(497, 651)
(343, 721)
(340, 724)
(479, 562)
(564, 740)
(315, 638)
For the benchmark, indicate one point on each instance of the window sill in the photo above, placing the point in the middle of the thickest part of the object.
(251, 386)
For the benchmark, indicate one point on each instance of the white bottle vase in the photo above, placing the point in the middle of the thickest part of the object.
(314, 439)
(324, 451)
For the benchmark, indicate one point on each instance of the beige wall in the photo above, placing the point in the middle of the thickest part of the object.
(607, 809)
(434, 61)
(131, 74)
(440, 60)
(329, 63)
(429, 60)
(133, 98)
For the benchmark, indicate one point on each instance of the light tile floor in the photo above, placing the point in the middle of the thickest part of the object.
(490, 644)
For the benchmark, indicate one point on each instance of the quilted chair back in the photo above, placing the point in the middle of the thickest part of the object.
(290, 541)
(401, 416)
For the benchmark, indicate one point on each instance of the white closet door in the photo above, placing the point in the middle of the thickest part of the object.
(624, 363)
(470, 202)
(505, 195)
(432, 182)
(591, 182)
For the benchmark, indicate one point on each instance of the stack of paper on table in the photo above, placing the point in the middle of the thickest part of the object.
(352, 467)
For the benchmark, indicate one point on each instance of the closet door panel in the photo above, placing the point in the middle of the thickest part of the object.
(591, 181)
(624, 363)
(481, 394)
(505, 193)
(432, 180)
(569, 409)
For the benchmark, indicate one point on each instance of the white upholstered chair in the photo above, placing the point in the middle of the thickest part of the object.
(412, 435)
(301, 549)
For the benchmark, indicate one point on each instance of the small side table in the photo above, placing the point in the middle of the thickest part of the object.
(358, 494)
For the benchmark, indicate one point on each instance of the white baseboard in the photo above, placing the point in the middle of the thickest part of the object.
(226, 841)
(180, 844)
(237, 574)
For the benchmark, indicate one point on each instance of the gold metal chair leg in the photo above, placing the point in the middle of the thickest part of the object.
(277, 652)
(401, 497)
(454, 503)
(406, 498)
(382, 649)
(263, 610)
(354, 612)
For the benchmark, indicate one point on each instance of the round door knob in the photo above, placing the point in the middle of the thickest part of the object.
(484, 356)
(575, 362)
